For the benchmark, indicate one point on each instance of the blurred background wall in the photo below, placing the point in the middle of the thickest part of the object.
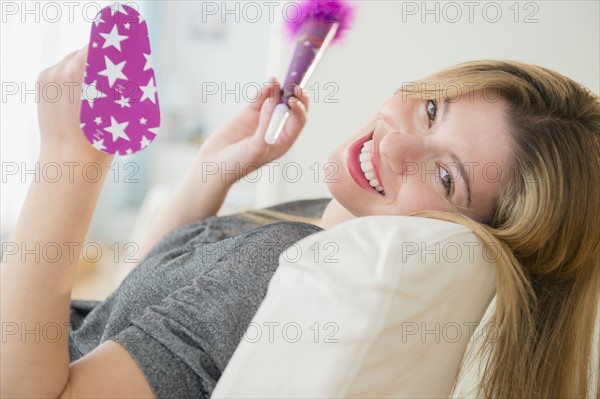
(209, 55)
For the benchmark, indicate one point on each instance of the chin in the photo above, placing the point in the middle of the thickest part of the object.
(346, 200)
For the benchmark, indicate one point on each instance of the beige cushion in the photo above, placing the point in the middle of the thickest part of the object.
(379, 306)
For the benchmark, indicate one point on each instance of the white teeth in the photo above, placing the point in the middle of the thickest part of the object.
(365, 156)
(367, 166)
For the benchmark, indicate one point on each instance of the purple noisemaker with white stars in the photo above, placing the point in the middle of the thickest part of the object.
(319, 23)
(119, 101)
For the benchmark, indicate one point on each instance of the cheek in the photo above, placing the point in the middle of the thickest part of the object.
(333, 169)
(340, 149)
(416, 195)
(412, 196)
(335, 155)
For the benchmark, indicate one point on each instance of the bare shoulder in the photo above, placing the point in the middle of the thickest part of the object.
(108, 371)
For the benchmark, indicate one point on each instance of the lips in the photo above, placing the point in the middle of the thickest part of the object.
(353, 164)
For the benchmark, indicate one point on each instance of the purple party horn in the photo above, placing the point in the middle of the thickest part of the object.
(321, 22)
(119, 101)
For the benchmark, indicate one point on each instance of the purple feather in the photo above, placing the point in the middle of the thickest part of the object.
(327, 11)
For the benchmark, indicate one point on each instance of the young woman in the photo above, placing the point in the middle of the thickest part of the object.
(508, 149)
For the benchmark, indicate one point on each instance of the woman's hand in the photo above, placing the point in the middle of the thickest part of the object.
(240, 146)
(61, 134)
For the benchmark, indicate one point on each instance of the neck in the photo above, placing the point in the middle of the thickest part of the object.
(334, 214)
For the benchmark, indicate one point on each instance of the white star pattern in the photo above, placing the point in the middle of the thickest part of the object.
(145, 142)
(117, 129)
(148, 65)
(98, 20)
(149, 91)
(117, 7)
(113, 38)
(90, 93)
(112, 71)
(99, 145)
(123, 102)
(118, 122)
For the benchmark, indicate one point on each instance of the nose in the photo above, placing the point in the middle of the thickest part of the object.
(402, 150)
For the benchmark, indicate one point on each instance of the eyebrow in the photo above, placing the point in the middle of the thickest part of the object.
(461, 168)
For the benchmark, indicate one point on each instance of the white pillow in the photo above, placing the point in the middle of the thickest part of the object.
(391, 318)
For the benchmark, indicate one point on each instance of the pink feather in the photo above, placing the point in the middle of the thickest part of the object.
(327, 11)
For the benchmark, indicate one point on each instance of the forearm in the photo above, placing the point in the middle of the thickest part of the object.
(196, 197)
(36, 285)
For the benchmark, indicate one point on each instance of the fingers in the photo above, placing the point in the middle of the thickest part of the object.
(80, 55)
(71, 67)
(72, 56)
(294, 124)
(298, 114)
(266, 113)
(298, 109)
(303, 96)
(270, 92)
(76, 64)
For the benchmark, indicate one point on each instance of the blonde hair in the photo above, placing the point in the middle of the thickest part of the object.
(546, 224)
(267, 216)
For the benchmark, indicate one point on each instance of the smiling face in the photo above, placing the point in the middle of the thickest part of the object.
(419, 155)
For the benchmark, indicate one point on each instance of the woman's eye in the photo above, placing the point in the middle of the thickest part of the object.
(431, 109)
(447, 180)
